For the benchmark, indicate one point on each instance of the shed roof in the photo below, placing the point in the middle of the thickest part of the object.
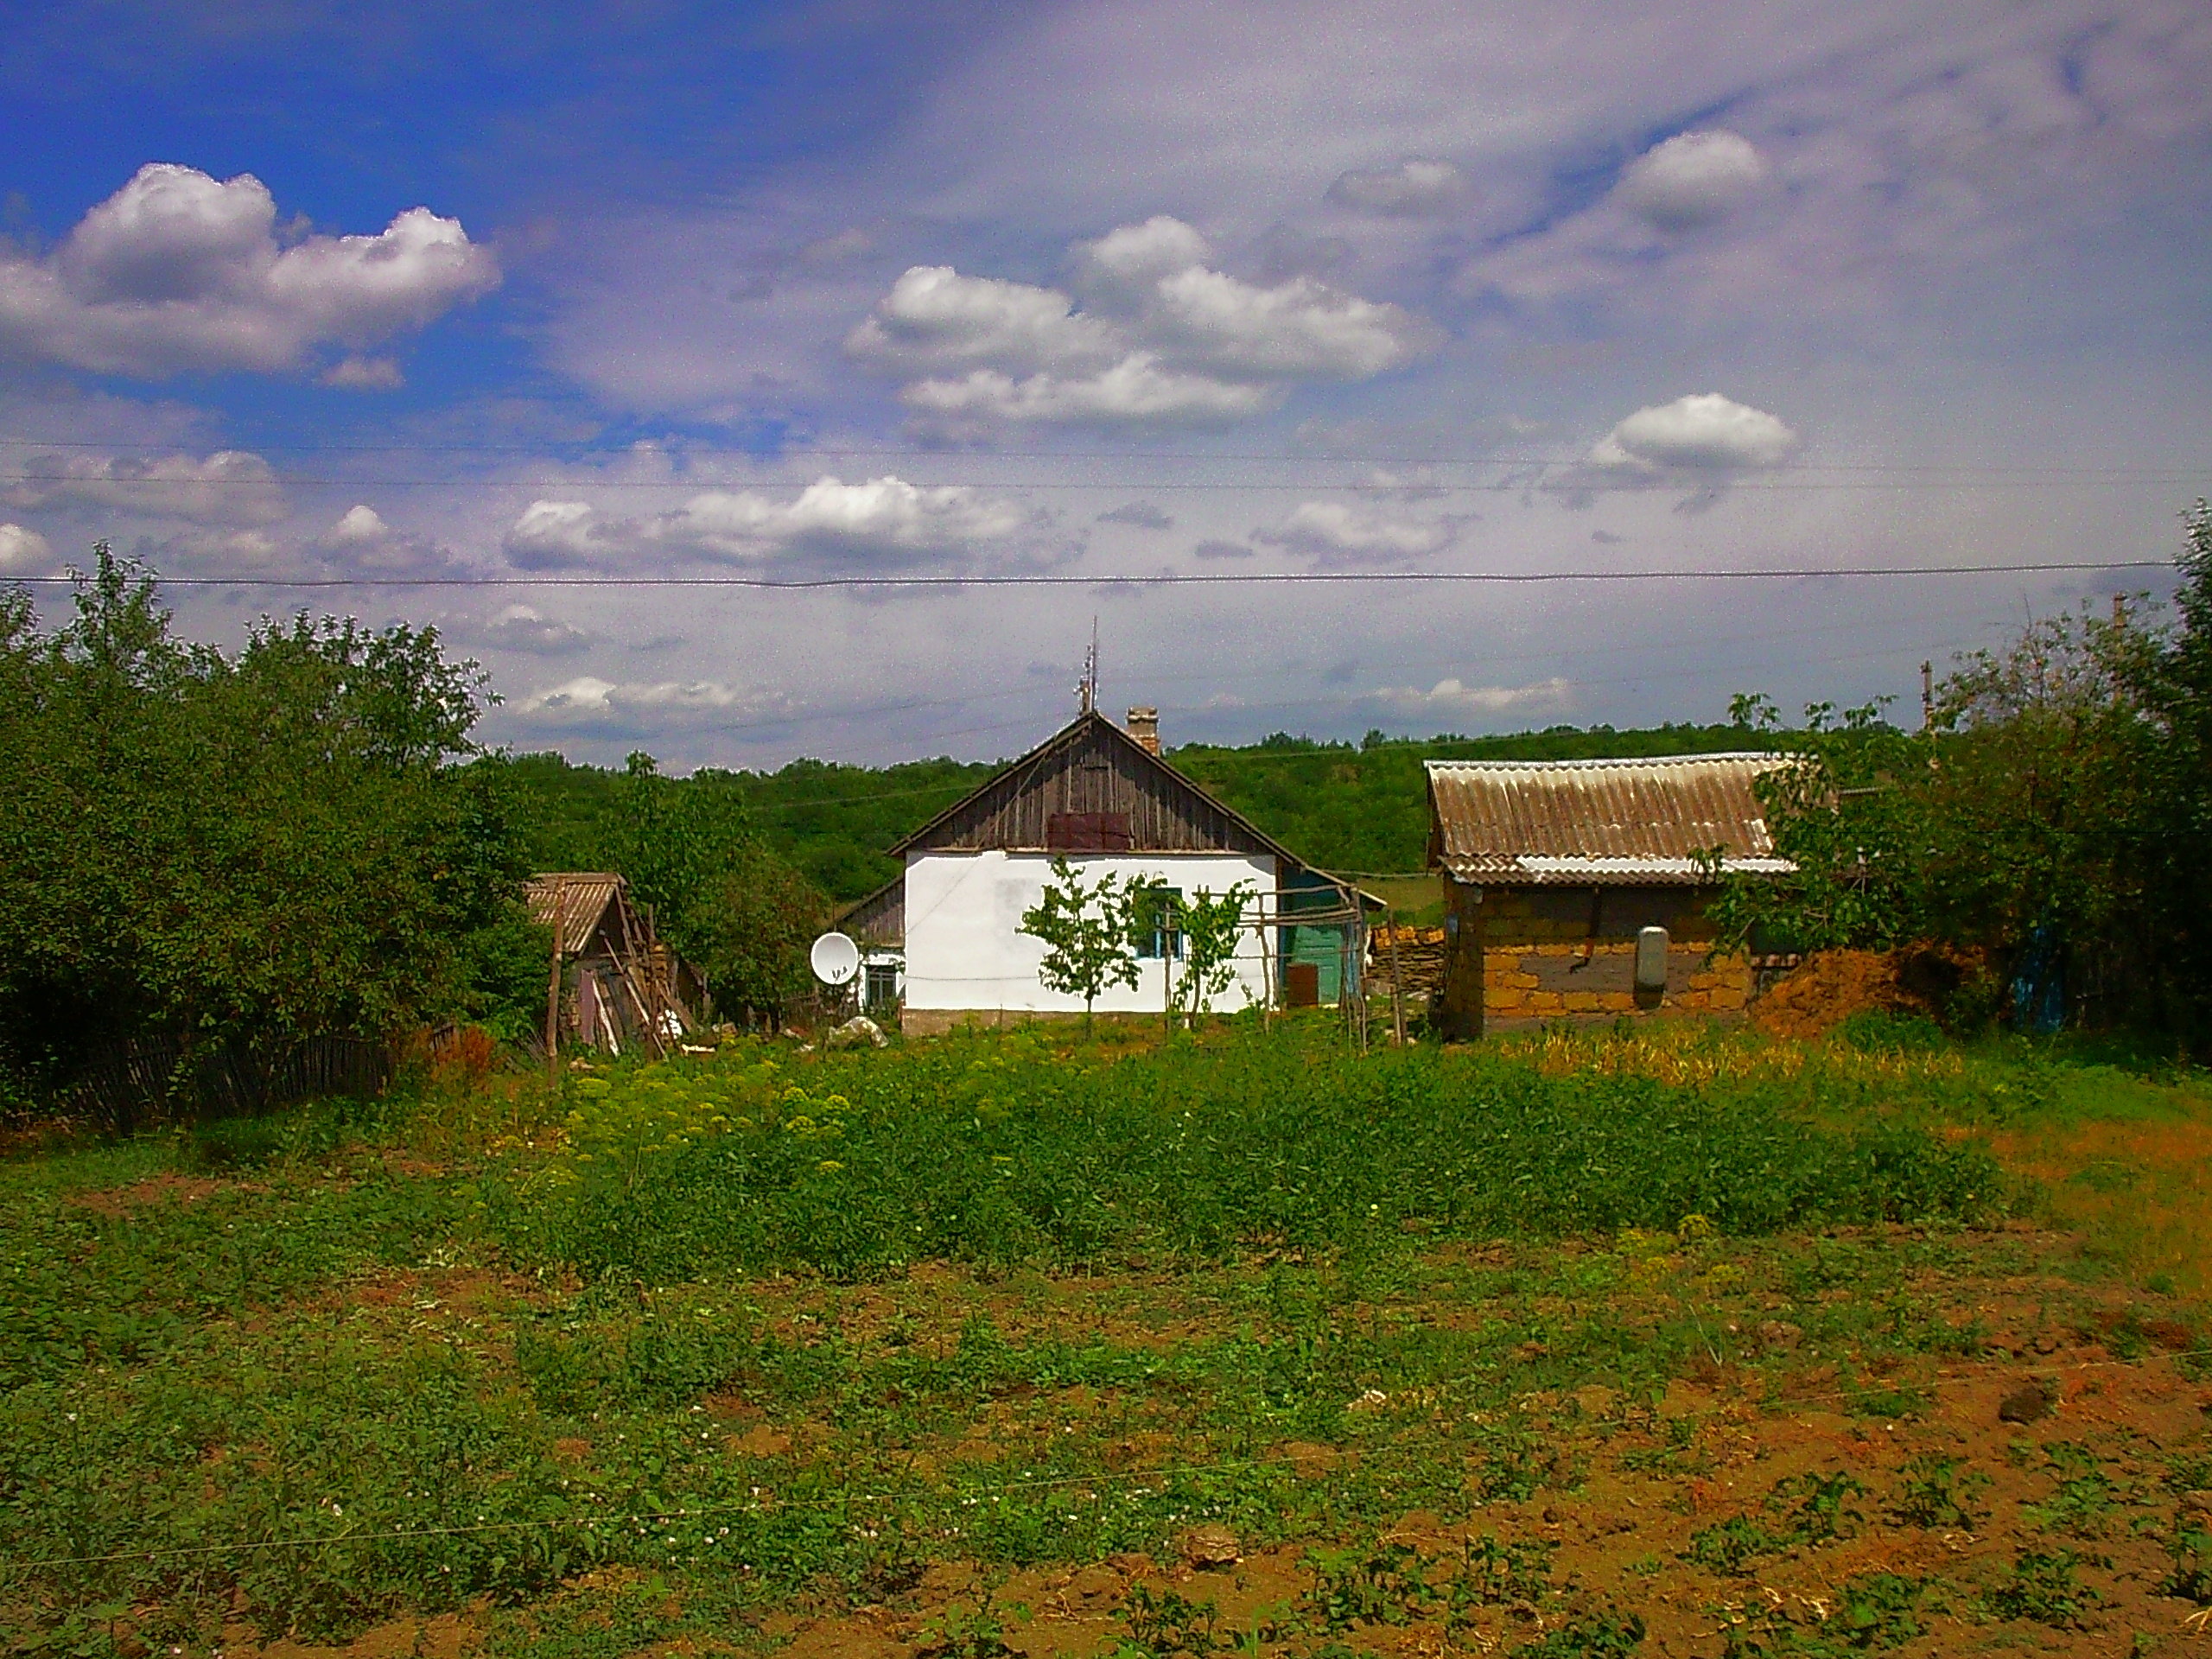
(1638, 822)
(581, 897)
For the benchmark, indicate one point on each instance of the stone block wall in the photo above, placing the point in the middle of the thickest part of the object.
(1551, 980)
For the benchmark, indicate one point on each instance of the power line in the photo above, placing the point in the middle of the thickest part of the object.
(680, 447)
(1567, 481)
(1166, 579)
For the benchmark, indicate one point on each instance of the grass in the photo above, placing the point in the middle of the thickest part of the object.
(763, 1336)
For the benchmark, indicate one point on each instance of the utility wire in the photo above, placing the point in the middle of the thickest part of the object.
(1176, 579)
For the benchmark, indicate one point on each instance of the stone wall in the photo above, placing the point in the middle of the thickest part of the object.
(1555, 953)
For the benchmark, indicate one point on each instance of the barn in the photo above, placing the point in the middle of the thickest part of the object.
(1554, 868)
(942, 942)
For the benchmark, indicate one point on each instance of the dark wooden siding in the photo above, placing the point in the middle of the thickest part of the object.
(879, 919)
(1092, 768)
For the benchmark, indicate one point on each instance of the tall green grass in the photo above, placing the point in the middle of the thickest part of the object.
(1004, 1151)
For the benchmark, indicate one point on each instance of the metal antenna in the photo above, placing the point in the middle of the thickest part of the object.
(1086, 690)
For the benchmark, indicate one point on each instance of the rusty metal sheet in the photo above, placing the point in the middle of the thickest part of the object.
(1598, 822)
(582, 897)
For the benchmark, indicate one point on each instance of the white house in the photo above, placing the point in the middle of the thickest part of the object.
(1103, 799)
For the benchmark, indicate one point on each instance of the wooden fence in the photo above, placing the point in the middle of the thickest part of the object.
(154, 1079)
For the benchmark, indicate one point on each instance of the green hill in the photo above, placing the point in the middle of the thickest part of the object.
(1347, 807)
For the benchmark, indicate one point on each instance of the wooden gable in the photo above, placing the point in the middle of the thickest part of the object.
(1091, 787)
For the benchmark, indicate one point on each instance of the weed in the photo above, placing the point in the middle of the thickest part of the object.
(2189, 1543)
(1824, 1509)
(1169, 1626)
(1934, 1495)
(2042, 1587)
(977, 1632)
(2081, 1502)
(1871, 1612)
(1491, 1574)
(1388, 1585)
(1595, 1635)
(1730, 1546)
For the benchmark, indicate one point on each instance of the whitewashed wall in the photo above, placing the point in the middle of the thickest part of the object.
(965, 951)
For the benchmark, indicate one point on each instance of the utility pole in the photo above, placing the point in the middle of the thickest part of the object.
(553, 990)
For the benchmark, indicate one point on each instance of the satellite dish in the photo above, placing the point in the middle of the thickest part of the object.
(834, 959)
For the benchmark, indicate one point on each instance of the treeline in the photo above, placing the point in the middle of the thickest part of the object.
(302, 838)
(1345, 806)
(2051, 818)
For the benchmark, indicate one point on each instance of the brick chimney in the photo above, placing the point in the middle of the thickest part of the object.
(1144, 726)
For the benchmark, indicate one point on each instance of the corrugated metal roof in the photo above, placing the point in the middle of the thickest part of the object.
(582, 897)
(1598, 822)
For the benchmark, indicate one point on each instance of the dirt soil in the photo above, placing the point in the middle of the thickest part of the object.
(2027, 1485)
(1829, 987)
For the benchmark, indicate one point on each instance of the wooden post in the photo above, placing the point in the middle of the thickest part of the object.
(553, 990)
(1397, 980)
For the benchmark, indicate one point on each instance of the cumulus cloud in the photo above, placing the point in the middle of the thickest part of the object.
(1411, 188)
(884, 518)
(1702, 433)
(1452, 696)
(1333, 530)
(1219, 549)
(1692, 179)
(1161, 338)
(179, 272)
(361, 540)
(1141, 514)
(23, 550)
(589, 704)
(363, 374)
(232, 486)
(524, 628)
(1136, 390)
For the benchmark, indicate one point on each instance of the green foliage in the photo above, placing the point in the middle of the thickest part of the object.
(1166, 1625)
(2058, 792)
(259, 846)
(2043, 1587)
(1934, 1495)
(1001, 1150)
(1871, 1613)
(1211, 927)
(1811, 1509)
(1087, 933)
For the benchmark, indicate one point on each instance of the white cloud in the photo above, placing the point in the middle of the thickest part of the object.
(1703, 433)
(1137, 391)
(880, 518)
(934, 317)
(363, 374)
(232, 486)
(589, 704)
(521, 628)
(220, 549)
(179, 273)
(1167, 340)
(1692, 179)
(1332, 529)
(361, 540)
(1410, 188)
(23, 550)
(360, 525)
(1453, 697)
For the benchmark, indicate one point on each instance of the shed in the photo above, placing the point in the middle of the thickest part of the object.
(621, 985)
(947, 931)
(1553, 868)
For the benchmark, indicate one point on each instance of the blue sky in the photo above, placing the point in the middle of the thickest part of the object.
(1094, 289)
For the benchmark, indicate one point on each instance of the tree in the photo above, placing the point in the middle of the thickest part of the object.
(205, 847)
(1086, 932)
(1209, 928)
(751, 936)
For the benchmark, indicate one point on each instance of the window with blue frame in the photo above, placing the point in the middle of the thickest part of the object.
(1152, 918)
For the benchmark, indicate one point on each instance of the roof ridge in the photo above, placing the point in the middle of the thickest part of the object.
(1606, 760)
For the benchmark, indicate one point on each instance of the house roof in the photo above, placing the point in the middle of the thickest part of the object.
(972, 821)
(1166, 811)
(581, 897)
(1599, 823)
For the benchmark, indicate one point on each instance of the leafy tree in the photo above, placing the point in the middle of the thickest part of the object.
(1086, 932)
(1211, 927)
(286, 841)
(751, 936)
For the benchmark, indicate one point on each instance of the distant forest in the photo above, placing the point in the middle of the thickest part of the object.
(1348, 807)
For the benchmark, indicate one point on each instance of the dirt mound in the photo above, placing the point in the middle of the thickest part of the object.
(1829, 987)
